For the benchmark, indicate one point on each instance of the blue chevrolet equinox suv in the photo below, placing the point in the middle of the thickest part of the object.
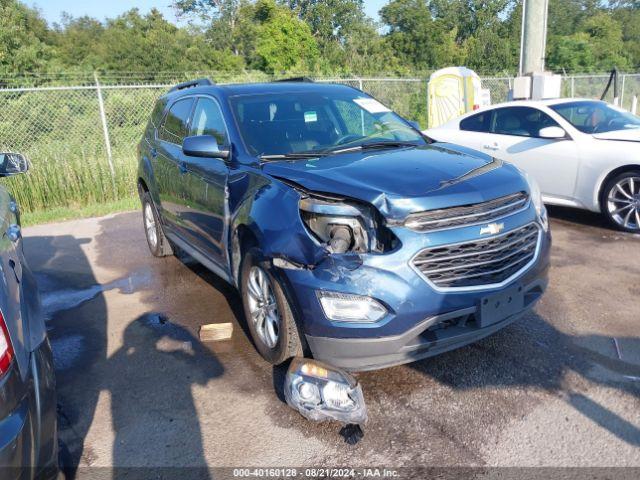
(352, 237)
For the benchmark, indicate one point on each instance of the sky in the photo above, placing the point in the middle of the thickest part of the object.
(101, 9)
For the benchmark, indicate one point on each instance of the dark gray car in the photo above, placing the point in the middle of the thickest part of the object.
(28, 428)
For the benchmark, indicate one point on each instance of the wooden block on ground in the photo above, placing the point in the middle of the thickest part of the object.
(214, 332)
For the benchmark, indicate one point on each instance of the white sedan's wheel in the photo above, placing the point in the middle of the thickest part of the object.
(623, 201)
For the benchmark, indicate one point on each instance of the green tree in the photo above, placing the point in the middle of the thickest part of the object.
(571, 53)
(471, 16)
(421, 41)
(330, 20)
(344, 33)
(597, 47)
(77, 42)
(24, 39)
(627, 14)
(284, 43)
(606, 41)
(137, 43)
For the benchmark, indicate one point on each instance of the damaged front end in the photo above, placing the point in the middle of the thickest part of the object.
(345, 226)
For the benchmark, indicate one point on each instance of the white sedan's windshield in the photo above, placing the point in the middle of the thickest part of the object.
(596, 117)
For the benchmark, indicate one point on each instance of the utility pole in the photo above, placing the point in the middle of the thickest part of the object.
(533, 36)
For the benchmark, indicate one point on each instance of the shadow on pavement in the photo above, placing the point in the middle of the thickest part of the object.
(579, 216)
(78, 337)
(143, 381)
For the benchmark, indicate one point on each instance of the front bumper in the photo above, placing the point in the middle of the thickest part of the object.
(417, 312)
(432, 336)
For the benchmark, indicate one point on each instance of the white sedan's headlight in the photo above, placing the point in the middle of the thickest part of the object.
(536, 198)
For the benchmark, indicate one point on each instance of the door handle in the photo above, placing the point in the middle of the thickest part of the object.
(495, 146)
(13, 232)
(182, 167)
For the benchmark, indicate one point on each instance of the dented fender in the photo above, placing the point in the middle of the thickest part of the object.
(269, 210)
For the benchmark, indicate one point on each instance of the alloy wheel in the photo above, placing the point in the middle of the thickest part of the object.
(263, 307)
(150, 226)
(623, 203)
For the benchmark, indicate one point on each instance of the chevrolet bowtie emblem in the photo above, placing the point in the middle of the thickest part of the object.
(492, 229)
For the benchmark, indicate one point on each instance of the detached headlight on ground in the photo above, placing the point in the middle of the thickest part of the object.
(536, 198)
(343, 307)
(320, 392)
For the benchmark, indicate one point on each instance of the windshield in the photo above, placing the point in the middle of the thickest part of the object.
(295, 123)
(596, 117)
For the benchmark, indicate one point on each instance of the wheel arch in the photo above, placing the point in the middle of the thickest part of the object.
(142, 186)
(608, 176)
(242, 239)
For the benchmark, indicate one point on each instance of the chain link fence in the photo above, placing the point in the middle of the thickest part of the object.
(81, 140)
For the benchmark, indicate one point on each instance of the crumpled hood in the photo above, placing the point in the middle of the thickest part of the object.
(628, 135)
(403, 181)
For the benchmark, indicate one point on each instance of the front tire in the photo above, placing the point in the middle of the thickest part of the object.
(621, 201)
(273, 328)
(158, 244)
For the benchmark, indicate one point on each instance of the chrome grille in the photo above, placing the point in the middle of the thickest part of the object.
(479, 262)
(466, 215)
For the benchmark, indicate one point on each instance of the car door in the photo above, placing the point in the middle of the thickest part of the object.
(205, 184)
(169, 159)
(514, 136)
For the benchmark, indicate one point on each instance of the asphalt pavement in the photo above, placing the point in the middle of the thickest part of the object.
(561, 387)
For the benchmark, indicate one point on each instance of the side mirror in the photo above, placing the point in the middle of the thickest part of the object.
(12, 164)
(205, 146)
(552, 133)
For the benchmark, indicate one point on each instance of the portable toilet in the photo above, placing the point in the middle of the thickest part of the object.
(452, 92)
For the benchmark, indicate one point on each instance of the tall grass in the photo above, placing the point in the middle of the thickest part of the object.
(61, 134)
(65, 176)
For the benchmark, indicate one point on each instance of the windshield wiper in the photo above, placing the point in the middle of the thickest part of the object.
(374, 146)
(293, 156)
(332, 151)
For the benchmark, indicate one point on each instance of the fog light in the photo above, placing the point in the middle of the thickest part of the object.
(344, 307)
(321, 392)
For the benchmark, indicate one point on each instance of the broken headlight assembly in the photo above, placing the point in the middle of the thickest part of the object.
(321, 392)
(343, 226)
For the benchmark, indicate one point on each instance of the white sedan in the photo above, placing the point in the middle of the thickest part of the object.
(582, 153)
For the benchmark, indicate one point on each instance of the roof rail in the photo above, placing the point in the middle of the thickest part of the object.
(296, 79)
(191, 83)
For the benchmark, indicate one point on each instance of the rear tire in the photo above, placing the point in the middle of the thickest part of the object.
(273, 328)
(159, 245)
(620, 202)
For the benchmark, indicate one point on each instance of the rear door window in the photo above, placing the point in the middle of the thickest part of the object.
(477, 123)
(175, 125)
